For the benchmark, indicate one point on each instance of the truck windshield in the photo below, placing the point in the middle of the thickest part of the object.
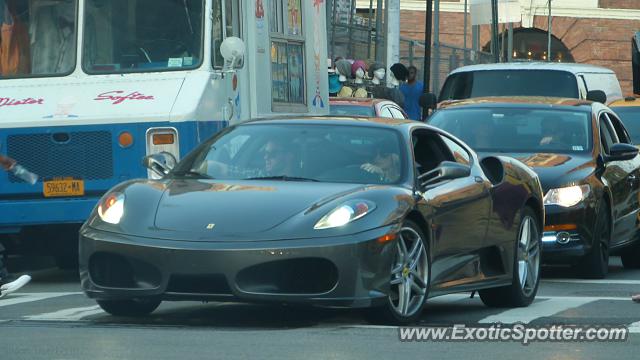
(473, 84)
(124, 36)
(38, 38)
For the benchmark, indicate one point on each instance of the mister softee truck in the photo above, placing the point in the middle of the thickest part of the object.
(90, 87)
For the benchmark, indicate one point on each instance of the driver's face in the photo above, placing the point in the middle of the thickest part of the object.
(273, 157)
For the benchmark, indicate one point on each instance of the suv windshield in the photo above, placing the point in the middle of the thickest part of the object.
(287, 152)
(474, 84)
(38, 38)
(142, 35)
(518, 130)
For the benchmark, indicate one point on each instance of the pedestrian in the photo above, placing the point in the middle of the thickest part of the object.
(8, 282)
(412, 90)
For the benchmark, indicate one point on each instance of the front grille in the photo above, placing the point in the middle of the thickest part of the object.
(86, 155)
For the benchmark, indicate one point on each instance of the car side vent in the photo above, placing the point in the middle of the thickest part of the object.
(493, 168)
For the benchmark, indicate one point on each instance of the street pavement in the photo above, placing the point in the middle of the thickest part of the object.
(52, 319)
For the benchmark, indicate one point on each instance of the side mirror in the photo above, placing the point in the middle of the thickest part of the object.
(232, 50)
(622, 152)
(160, 163)
(597, 96)
(447, 170)
(428, 100)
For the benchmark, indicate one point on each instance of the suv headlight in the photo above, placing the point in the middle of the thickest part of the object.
(567, 196)
(345, 213)
(111, 208)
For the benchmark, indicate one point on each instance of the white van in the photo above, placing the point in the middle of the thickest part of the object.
(579, 81)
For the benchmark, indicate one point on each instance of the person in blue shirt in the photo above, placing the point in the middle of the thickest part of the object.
(412, 90)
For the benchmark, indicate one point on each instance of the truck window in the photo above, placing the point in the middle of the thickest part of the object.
(224, 26)
(510, 83)
(41, 38)
(134, 35)
(287, 54)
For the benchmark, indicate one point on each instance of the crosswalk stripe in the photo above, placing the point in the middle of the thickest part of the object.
(73, 314)
(634, 328)
(589, 281)
(21, 298)
(536, 310)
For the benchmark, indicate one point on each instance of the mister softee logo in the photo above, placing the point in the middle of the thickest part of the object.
(16, 102)
(117, 98)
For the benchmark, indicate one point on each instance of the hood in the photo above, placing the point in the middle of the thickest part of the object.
(209, 210)
(557, 170)
(65, 101)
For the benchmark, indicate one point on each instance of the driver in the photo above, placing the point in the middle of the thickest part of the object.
(386, 162)
(553, 131)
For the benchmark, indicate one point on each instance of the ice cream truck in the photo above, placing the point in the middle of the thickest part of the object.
(90, 87)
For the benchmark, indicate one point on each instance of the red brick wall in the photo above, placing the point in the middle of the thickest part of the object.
(619, 4)
(605, 42)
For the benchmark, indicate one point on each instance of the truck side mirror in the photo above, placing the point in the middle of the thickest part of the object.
(597, 96)
(232, 50)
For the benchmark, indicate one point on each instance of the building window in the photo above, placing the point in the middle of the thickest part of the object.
(287, 52)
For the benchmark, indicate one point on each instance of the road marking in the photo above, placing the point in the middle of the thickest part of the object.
(634, 328)
(29, 297)
(588, 281)
(73, 314)
(538, 309)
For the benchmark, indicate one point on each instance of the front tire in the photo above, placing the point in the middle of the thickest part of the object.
(129, 307)
(595, 265)
(526, 267)
(409, 279)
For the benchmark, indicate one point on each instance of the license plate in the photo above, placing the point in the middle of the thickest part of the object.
(63, 187)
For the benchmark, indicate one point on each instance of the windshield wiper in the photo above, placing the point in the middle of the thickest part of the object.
(283, 178)
(192, 173)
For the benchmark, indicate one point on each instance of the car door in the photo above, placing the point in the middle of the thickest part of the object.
(616, 176)
(628, 225)
(458, 210)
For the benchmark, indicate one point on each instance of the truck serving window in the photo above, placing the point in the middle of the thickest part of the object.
(38, 38)
(123, 36)
(474, 84)
(287, 52)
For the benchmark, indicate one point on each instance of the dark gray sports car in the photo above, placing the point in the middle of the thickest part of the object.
(337, 212)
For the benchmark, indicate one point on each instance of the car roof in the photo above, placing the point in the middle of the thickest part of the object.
(335, 120)
(355, 101)
(626, 102)
(519, 101)
(535, 65)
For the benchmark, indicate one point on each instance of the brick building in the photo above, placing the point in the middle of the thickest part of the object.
(597, 32)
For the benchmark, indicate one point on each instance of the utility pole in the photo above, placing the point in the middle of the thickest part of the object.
(428, 24)
(549, 33)
(494, 31)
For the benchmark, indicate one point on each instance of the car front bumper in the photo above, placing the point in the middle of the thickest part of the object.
(567, 246)
(350, 271)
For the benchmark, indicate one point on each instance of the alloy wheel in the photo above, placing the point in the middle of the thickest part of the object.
(528, 255)
(410, 274)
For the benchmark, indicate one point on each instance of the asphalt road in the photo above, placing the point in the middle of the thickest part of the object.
(52, 319)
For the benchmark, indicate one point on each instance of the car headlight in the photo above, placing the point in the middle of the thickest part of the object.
(567, 196)
(111, 208)
(345, 213)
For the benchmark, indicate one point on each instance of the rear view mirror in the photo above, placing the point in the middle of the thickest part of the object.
(597, 96)
(622, 152)
(447, 170)
(428, 100)
(232, 50)
(160, 163)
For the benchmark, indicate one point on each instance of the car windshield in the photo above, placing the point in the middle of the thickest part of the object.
(142, 35)
(630, 116)
(474, 84)
(297, 152)
(518, 130)
(38, 38)
(352, 110)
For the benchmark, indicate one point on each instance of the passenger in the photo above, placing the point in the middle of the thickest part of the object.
(8, 282)
(483, 135)
(386, 163)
